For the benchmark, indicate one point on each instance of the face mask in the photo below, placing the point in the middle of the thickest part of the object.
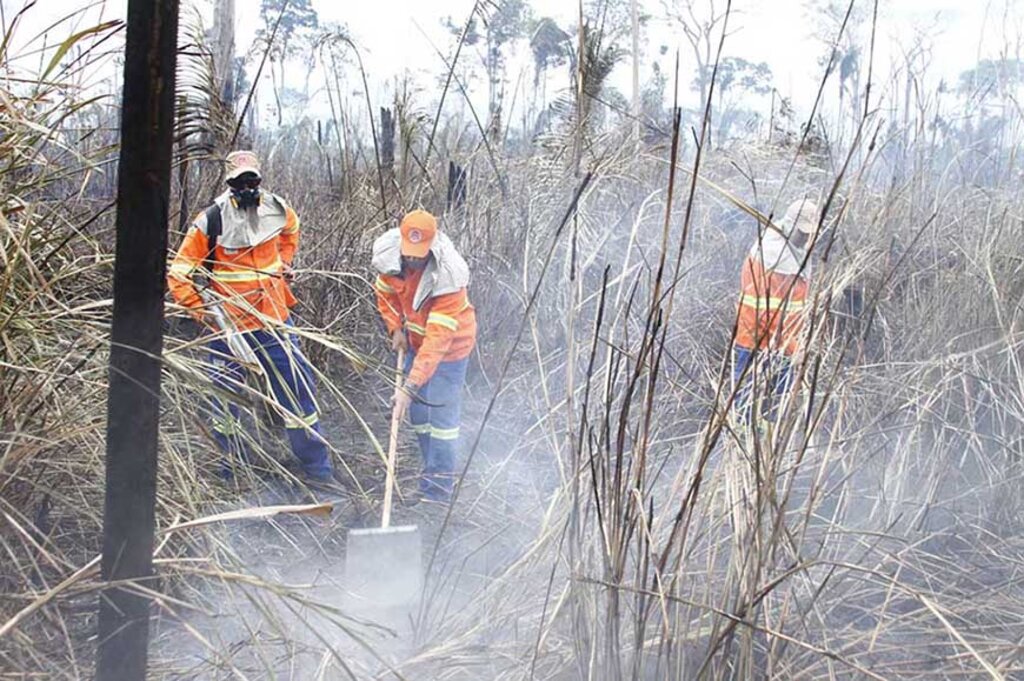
(246, 198)
(414, 264)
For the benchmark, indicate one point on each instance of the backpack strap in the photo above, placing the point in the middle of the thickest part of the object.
(214, 225)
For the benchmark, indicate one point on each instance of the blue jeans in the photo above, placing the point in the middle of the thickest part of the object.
(435, 418)
(771, 376)
(293, 387)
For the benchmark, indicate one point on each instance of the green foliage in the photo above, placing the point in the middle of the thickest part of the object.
(501, 22)
(992, 76)
(653, 97)
(598, 61)
(736, 74)
(472, 32)
(828, 17)
(613, 19)
(550, 45)
(65, 46)
(504, 21)
(298, 21)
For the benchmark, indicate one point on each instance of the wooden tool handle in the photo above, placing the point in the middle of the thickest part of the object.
(389, 479)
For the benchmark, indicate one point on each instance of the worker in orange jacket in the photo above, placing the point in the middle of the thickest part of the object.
(245, 244)
(421, 295)
(772, 307)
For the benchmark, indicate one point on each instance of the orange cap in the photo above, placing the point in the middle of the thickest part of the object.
(418, 229)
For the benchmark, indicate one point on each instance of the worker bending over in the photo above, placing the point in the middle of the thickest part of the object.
(421, 294)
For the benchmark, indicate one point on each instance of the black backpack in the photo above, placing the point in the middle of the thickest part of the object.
(214, 225)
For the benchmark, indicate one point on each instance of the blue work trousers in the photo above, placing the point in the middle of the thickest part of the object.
(436, 418)
(765, 384)
(293, 387)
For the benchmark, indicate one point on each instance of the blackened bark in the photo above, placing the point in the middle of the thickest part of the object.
(456, 186)
(144, 173)
(387, 142)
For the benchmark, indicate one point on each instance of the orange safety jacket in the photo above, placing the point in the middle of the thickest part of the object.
(771, 308)
(442, 330)
(248, 267)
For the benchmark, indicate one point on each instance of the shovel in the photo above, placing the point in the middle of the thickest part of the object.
(383, 565)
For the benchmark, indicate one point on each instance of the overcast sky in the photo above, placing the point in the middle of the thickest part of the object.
(778, 32)
(396, 35)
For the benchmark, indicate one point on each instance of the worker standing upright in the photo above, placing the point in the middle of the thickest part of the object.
(422, 296)
(770, 322)
(245, 244)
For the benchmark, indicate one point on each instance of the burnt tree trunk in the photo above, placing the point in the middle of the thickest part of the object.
(456, 186)
(224, 50)
(387, 143)
(143, 195)
(183, 177)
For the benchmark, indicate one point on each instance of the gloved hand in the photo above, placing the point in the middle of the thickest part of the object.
(288, 274)
(398, 341)
(403, 397)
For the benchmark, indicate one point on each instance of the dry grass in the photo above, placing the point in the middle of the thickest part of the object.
(612, 523)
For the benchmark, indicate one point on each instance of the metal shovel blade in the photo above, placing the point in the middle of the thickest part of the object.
(384, 566)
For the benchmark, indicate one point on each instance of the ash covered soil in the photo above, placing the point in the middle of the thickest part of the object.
(281, 609)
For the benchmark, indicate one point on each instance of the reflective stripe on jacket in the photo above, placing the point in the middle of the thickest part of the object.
(771, 308)
(442, 330)
(249, 262)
